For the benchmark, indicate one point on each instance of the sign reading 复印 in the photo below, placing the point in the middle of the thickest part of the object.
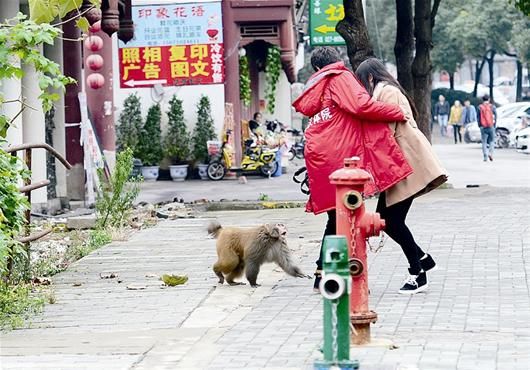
(323, 18)
(174, 44)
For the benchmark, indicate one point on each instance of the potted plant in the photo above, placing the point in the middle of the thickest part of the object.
(129, 128)
(204, 131)
(177, 141)
(149, 149)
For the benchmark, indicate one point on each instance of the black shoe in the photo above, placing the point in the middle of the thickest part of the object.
(318, 278)
(427, 263)
(415, 284)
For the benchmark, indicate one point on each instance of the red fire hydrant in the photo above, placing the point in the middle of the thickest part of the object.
(357, 225)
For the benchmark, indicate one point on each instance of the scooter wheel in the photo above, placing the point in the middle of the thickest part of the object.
(216, 171)
(292, 154)
(268, 169)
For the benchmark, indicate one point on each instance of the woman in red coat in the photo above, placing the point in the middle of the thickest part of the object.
(345, 122)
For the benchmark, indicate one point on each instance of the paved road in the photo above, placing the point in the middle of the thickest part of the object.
(474, 316)
(463, 162)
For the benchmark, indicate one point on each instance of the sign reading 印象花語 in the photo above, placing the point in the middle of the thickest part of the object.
(323, 18)
(173, 45)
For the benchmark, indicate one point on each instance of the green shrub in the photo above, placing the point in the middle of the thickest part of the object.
(117, 194)
(177, 140)
(204, 130)
(149, 149)
(130, 124)
(17, 304)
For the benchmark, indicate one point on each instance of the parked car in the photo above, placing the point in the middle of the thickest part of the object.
(522, 140)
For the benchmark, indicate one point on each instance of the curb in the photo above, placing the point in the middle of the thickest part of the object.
(248, 206)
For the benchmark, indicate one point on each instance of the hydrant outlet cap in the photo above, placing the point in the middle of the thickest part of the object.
(352, 162)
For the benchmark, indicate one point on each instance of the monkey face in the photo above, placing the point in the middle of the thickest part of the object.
(277, 231)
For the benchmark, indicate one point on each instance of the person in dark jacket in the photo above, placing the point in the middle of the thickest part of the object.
(441, 112)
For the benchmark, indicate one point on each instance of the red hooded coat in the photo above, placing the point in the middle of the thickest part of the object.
(345, 121)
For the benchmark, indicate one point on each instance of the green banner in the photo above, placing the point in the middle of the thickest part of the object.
(323, 17)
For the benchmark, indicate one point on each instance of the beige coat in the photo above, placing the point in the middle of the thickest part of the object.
(428, 171)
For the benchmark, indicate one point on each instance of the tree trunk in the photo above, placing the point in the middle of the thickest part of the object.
(422, 66)
(452, 80)
(478, 73)
(354, 31)
(404, 46)
(519, 84)
(490, 70)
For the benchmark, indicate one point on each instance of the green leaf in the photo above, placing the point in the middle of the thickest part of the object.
(66, 6)
(4, 125)
(43, 11)
(82, 24)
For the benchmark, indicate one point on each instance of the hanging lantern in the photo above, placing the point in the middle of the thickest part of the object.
(94, 43)
(95, 80)
(94, 62)
(90, 12)
(96, 27)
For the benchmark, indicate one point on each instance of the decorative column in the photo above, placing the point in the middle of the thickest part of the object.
(231, 41)
(12, 89)
(33, 130)
(98, 67)
(55, 52)
(74, 152)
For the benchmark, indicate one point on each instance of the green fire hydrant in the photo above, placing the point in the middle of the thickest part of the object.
(335, 288)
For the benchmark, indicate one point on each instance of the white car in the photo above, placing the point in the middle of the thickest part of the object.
(522, 140)
(509, 116)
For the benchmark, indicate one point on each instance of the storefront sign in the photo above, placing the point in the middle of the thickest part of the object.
(323, 18)
(179, 44)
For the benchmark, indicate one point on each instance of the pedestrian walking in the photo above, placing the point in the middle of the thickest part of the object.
(428, 173)
(441, 112)
(344, 122)
(455, 120)
(486, 118)
(469, 115)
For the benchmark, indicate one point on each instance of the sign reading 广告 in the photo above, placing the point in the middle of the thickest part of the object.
(323, 18)
(173, 45)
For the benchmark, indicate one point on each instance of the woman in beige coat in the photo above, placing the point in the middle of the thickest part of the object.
(394, 204)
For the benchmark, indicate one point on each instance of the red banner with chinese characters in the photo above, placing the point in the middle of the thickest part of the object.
(171, 65)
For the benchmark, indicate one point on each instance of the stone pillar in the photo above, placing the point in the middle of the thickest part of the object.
(33, 130)
(101, 101)
(74, 152)
(12, 89)
(231, 40)
(55, 53)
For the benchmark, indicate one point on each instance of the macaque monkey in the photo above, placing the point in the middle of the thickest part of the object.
(246, 250)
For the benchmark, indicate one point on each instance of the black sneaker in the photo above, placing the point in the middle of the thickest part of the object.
(415, 284)
(427, 263)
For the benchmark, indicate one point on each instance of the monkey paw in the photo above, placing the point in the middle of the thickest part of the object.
(255, 285)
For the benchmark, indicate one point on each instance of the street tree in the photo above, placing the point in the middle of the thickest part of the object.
(521, 44)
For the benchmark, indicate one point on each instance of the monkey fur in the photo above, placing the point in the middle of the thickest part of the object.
(246, 250)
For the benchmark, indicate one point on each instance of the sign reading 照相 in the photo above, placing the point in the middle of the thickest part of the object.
(174, 44)
(323, 18)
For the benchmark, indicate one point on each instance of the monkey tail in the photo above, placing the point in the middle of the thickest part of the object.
(214, 229)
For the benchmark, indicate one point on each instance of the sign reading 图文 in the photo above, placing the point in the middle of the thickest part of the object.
(174, 44)
(323, 18)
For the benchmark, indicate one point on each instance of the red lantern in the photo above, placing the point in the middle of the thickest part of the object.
(94, 62)
(95, 80)
(94, 43)
(96, 27)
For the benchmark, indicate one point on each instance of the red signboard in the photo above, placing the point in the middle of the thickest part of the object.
(171, 65)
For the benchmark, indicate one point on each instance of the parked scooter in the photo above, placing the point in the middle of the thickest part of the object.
(297, 149)
(256, 159)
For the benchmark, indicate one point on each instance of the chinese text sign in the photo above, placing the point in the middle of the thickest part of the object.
(323, 18)
(179, 44)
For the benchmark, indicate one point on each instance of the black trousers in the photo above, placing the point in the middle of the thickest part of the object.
(456, 132)
(396, 228)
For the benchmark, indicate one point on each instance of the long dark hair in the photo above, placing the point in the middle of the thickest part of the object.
(375, 68)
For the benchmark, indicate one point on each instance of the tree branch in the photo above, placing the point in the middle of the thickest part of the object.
(434, 11)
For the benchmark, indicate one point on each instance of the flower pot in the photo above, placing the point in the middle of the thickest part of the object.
(178, 172)
(150, 173)
(202, 171)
